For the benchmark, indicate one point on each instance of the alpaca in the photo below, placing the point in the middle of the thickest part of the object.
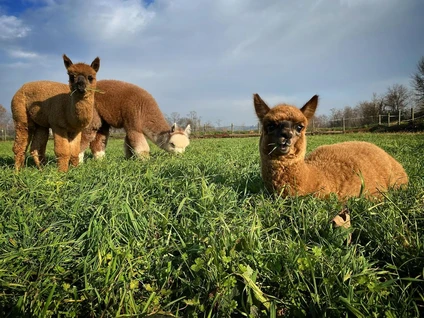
(345, 169)
(124, 105)
(66, 109)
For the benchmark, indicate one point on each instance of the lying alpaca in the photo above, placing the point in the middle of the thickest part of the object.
(38, 106)
(124, 105)
(344, 169)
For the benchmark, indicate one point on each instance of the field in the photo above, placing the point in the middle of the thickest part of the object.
(198, 236)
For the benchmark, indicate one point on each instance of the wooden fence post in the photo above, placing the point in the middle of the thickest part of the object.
(379, 120)
(399, 114)
(412, 114)
(344, 125)
(388, 119)
(232, 128)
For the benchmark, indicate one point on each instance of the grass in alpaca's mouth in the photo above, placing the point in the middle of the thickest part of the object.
(89, 89)
(283, 147)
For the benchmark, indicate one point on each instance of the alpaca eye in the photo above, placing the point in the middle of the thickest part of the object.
(90, 78)
(172, 144)
(299, 128)
(271, 127)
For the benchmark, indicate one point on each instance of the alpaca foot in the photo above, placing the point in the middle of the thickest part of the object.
(143, 155)
(81, 157)
(99, 155)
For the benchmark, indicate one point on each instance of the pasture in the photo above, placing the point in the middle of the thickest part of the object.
(197, 235)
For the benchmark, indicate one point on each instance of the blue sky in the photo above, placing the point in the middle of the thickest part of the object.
(210, 56)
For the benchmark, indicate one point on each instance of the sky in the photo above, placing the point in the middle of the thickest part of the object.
(211, 56)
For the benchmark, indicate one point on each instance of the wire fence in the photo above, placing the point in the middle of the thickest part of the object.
(317, 125)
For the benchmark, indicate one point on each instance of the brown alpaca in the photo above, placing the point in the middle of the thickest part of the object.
(124, 105)
(66, 109)
(345, 169)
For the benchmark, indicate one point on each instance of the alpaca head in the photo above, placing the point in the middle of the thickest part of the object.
(178, 139)
(283, 128)
(82, 77)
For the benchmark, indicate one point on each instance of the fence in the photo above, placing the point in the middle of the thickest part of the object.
(357, 123)
(316, 126)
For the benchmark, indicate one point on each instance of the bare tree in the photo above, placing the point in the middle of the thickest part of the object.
(418, 84)
(397, 98)
(174, 117)
(4, 117)
(369, 110)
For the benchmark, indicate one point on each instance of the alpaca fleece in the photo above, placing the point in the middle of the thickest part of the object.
(66, 109)
(124, 105)
(345, 169)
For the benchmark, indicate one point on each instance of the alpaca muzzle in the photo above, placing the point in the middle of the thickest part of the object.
(80, 84)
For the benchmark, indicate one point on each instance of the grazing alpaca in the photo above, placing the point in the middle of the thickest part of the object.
(124, 105)
(38, 106)
(345, 168)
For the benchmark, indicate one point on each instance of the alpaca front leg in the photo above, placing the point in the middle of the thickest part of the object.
(20, 145)
(38, 146)
(61, 148)
(99, 143)
(136, 145)
(74, 146)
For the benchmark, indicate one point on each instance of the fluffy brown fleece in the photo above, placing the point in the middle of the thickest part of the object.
(345, 169)
(124, 105)
(66, 109)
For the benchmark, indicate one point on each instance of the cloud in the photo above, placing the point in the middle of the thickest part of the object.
(211, 56)
(22, 54)
(12, 28)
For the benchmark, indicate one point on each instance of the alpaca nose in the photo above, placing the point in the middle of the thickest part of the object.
(81, 83)
(286, 133)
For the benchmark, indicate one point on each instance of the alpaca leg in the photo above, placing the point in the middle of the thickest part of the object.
(61, 148)
(136, 145)
(74, 147)
(22, 139)
(87, 136)
(38, 146)
(98, 145)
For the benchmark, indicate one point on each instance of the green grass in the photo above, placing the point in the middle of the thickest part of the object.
(197, 236)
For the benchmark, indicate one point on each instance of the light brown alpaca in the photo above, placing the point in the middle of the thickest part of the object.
(124, 105)
(343, 169)
(66, 109)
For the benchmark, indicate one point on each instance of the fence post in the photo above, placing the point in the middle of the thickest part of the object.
(379, 120)
(344, 125)
(204, 128)
(313, 126)
(399, 117)
(259, 128)
(232, 128)
(388, 119)
(412, 114)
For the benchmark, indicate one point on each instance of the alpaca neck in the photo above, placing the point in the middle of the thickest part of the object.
(290, 173)
(81, 111)
(157, 131)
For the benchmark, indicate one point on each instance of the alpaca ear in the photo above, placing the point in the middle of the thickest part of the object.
(174, 127)
(187, 130)
(96, 64)
(67, 61)
(260, 107)
(309, 108)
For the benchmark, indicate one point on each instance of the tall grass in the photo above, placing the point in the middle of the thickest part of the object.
(198, 236)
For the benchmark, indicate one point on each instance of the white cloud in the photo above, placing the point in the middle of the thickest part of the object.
(12, 28)
(211, 56)
(17, 53)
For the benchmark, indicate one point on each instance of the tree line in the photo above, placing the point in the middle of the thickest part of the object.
(397, 98)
